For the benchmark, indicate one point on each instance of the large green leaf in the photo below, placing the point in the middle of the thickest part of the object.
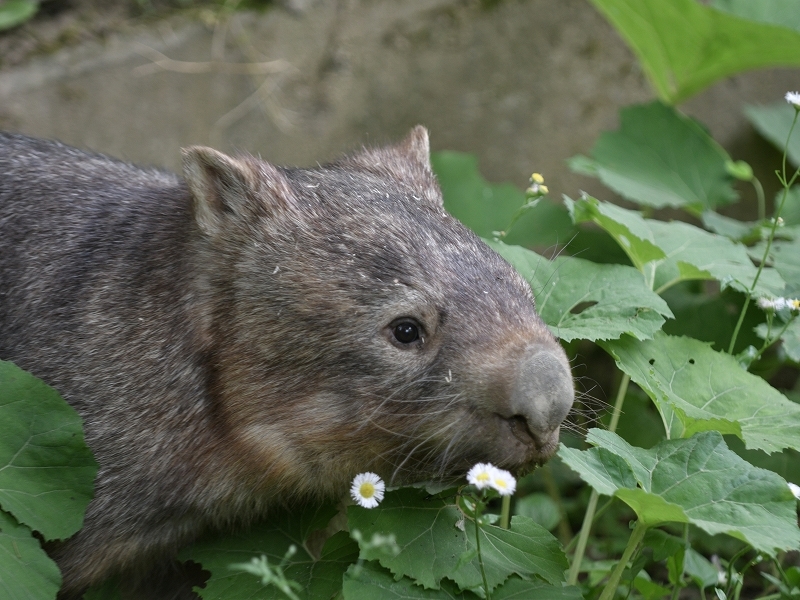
(579, 299)
(668, 253)
(773, 122)
(486, 207)
(685, 46)
(370, 581)
(661, 158)
(319, 578)
(698, 389)
(696, 480)
(16, 12)
(46, 470)
(433, 546)
(693, 253)
(26, 572)
(776, 12)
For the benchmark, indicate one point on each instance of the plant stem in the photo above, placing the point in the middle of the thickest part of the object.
(771, 237)
(637, 535)
(505, 512)
(762, 203)
(480, 556)
(588, 518)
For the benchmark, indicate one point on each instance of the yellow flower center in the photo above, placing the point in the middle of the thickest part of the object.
(367, 490)
(501, 483)
(482, 476)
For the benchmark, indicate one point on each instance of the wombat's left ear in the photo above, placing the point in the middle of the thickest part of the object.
(224, 187)
(408, 161)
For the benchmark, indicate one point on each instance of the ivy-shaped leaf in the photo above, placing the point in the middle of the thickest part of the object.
(433, 546)
(579, 299)
(685, 46)
(773, 122)
(699, 481)
(319, 578)
(686, 252)
(704, 389)
(661, 158)
(26, 572)
(46, 470)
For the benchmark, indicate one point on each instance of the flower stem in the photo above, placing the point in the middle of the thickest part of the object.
(505, 512)
(786, 185)
(637, 535)
(480, 556)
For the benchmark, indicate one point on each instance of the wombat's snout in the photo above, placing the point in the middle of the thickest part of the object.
(542, 395)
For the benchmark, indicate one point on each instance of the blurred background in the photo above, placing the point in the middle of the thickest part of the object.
(521, 84)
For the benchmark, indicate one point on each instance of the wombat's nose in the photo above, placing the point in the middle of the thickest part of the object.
(543, 392)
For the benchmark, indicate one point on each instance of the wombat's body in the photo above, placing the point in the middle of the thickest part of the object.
(256, 333)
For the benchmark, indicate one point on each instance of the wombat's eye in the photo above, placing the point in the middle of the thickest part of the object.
(406, 332)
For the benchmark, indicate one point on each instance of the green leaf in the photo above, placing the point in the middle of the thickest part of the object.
(790, 338)
(539, 507)
(776, 12)
(699, 481)
(662, 158)
(16, 12)
(46, 470)
(578, 299)
(486, 207)
(370, 581)
(785, 257)
(693, 253)
(321, 578)
(433, 547)
(26, 572)
(684, 46)
(627, 227)
(702, 389)
(668, 253)
(773, 122)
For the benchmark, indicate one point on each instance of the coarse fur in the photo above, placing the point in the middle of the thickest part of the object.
(230, 338)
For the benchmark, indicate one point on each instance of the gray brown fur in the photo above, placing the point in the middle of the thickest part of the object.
(228, 338)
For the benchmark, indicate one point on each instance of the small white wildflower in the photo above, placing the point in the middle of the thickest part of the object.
(779, 304)
(793, 98)
(503, 482)
(481, 475)
(795, 490)
(367, 489)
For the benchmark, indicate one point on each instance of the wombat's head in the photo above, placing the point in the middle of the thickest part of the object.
(357, 326)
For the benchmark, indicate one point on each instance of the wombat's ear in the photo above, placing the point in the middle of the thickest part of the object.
(223, 186)
(408, 161)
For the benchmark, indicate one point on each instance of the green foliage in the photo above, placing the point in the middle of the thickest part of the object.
(773, 121)
(661, 158)
(685, 46)
(16, 12)
(46, 478)
(697, 481)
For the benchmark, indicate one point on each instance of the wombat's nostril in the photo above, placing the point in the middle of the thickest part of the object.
(543, 392)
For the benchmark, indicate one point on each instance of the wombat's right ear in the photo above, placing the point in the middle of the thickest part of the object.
(224, 187)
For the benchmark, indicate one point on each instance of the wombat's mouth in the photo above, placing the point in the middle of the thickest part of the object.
(525, 449)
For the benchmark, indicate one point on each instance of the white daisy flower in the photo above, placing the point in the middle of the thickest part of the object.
(795, 490)
(793, 98)
(367, 489)
(503, 482)
(481, 475)
(778, 304)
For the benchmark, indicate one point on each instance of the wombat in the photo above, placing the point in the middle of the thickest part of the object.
(251, 334)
